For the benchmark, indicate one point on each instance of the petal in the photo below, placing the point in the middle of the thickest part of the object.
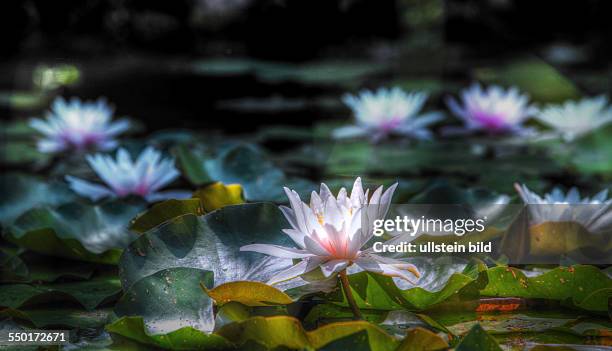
(88, 189)
(314, 247)
(303, 267)
(386, 266)
(334, 266)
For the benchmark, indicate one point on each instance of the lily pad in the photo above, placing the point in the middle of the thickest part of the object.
(283, 331)
(169, 300)
(582, 286)
(186, 338)
(217, 195)
(77, 231)
(88, 294)
(60, 317)
(248, 293)
(478, 339)
(211, 242)
(164, 211)
(22, 192)
(246, 165)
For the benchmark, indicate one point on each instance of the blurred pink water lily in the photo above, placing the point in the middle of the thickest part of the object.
(78, 125)
(493, 110)
(388, 111)
(124, 177)
(331, 231)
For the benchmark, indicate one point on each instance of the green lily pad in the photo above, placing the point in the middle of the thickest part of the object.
(246, 165)
(22, 192)
(186, 338)
(88, 294)
(77, 231)
(60, 317)
(283, 331)
(211, 242)
(12, 267)
(164, 211)
(439, 283)
(478, 339)
(420, 339)
(582, 286)
(38, 268)
(169, 300)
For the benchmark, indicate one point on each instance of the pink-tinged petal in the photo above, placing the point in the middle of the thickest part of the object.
(305, 266)
(296, 205)
(277, 251)
(314, 247)
(334, 266)
(290, 216)
(388, 267)
(296, 235)
(88, 189)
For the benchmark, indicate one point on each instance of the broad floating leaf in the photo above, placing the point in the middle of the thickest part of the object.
(77, 231)
(21, 192)
(246, 165)
(583, 286)
(248, 293)
(420, 339)
(478, 339)
(88, 294)
(211, 242)
(217, 195)
(186, 338)
(164, 211)
(169, 300)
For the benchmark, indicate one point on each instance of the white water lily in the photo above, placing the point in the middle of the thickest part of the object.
(331, 231)
(78, 125)
(388, 111)
(123, 176)
(493, 111)
(594, 213)
(576, 118)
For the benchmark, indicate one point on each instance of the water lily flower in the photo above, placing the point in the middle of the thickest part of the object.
(388, 111)
(331, 231)
(123, 177)
(594, 213)
(78, 125)
(493, 111)
(576, 118)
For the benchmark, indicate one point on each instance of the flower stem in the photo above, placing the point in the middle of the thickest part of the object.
(349, 295)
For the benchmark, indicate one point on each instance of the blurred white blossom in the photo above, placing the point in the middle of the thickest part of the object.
(576, 118)
(123, 176)
(78, 125)
(388, 111)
